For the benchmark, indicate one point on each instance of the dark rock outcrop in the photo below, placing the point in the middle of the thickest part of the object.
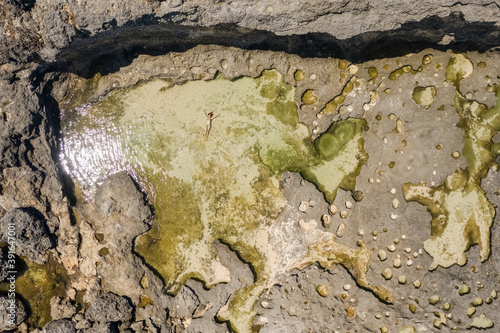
(33, 238)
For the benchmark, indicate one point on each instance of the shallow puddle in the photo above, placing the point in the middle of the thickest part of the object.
(224, 182)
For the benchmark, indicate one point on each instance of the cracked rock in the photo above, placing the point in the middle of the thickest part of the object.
(109, 308)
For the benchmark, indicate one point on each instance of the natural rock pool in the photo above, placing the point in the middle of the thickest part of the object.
(221, 186)
(386, 123)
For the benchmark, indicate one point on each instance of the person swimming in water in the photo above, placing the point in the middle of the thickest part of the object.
(210, 117)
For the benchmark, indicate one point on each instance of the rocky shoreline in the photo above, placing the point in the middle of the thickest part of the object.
(60, 54)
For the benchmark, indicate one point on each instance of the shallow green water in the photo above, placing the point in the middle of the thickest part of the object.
(225, 187)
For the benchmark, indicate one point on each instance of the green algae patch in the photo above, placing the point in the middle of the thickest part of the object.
(397, 73)
(458, 68)
(424, 96)
(309, 97)
(372, 73)
(299, 75)
(280, 94)
(38, 284)
(461, 214)
(332, 106)
(342, 154)
(335, 162)
(222, 187)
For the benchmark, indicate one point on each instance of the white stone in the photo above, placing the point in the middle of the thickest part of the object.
(304, 206)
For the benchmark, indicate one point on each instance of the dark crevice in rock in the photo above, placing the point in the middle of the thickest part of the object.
(53, 135)
(107, 52)
(23, 4)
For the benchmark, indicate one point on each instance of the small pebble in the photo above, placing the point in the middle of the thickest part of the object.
(333, 209)
(415, 254)
(353, 69)
(470, 311)
(402, 279)
(348, 204)
(393, 190)
(395, 203)
(409, 262)
(477, 301)
(407, 250)
(327, 220)
(494, 293)
(378, 315)
(391, 248)
(304, 206)
(351, 312)
(341, 230)
(347, 287)
(322, 290)
(417, 284)
(266, 305)
(387, 273)
(434, 299)
(394, 216)
(384, 329)
(399, 125)
(382, 255)
(455, 155)
(344, 214)
(361, 232)
(447, 306)
(437, 323)
(358, 196)
(464, 289)
(397, 262)
(412, 307)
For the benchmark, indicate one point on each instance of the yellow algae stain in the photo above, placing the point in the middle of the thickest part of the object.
(37, 285)
(372, 72)
(299, 75)
(397, 73)
(461, 214)
(424, 96)
(332, 106)
(309, 97)
(224, 187)
(458, 68)
(325, 251)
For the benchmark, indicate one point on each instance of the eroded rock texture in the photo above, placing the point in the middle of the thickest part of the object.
(337, 151)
